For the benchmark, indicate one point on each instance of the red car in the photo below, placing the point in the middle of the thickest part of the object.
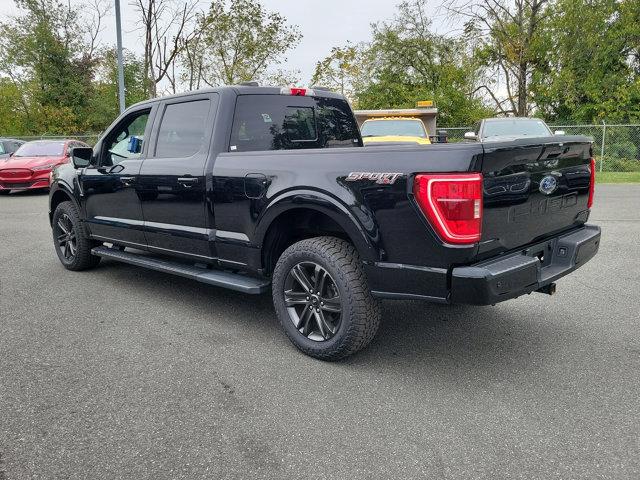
(30, 166)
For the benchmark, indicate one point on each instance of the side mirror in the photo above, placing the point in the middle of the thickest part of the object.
(559, 132)
(81, 156)
(470, 136)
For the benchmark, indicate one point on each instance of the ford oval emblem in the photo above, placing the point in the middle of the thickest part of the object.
(548, 184)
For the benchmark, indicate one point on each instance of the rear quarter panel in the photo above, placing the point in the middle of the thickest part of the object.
(382, 220)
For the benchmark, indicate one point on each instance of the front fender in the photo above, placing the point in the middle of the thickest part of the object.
(63, 182)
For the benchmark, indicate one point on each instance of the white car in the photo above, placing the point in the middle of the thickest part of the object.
(509, 128)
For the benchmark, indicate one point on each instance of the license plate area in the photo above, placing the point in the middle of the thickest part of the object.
(543, 251)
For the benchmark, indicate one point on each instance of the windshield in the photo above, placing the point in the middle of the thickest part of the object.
(515, 128)
(402, 128)
(40, 149)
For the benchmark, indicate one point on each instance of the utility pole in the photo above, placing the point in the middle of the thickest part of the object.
(120, 65)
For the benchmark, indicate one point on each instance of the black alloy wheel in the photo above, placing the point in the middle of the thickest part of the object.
(65, 234)
(313, 301)
(71, 240)
(322, 298)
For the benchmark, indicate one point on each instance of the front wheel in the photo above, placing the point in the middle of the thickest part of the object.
(71, 242)
(322, 298)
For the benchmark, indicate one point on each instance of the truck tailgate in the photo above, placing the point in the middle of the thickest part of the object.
(533, 188)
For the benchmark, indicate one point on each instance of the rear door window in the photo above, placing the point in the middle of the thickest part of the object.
(282, 122)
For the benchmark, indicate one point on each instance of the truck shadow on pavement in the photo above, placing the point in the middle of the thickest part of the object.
(412, 334)
(459, 338)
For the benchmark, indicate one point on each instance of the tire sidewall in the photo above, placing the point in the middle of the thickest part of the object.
(291, 258)
(65, 208)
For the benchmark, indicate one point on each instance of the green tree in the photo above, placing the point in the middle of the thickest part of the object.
(591, 67)
(407, 62)
(12, 111)
(239, 40)
(508, 45)
(341, 70)
(44, 54)
(104, 105)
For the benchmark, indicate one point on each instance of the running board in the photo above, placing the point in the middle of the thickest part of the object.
(219, 278)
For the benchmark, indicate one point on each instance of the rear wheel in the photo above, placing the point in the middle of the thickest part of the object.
(322, 299)
(71, 242)
(5, 192)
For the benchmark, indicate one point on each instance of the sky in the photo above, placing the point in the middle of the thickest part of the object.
(324, 24)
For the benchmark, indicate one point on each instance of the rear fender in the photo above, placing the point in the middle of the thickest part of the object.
(326, 205)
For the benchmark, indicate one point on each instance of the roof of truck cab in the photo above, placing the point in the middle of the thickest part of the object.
(239, 90)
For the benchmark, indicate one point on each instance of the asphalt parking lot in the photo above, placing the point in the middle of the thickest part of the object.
(121, 372)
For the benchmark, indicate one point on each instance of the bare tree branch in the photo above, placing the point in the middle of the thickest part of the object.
(168, 28)
(100, 9)
(509, 32)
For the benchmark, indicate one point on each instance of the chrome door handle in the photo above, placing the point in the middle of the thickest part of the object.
(127, 181)
(187, 182)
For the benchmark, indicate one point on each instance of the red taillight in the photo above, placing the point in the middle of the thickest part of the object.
(592, 183)
(453, 205)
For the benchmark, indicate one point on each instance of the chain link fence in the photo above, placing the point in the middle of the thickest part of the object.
(616, 147)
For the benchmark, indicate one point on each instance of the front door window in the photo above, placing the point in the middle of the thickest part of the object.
(126, 140)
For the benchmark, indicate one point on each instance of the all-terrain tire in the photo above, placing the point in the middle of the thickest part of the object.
(66, 214)
(361, 312)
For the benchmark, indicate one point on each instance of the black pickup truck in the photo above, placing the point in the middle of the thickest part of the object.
(257, 188)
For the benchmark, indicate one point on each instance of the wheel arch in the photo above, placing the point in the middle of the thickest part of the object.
(301, 216)
(58, 195)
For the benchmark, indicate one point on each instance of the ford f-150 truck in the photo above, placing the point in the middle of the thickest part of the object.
(261, 188)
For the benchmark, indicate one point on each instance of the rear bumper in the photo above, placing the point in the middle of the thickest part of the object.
(516, 274)
(490, 281)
